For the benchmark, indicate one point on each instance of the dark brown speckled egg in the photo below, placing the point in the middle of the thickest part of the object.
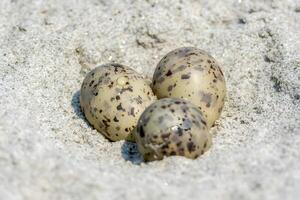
(172, 126)
(194, 75)
(113, 97)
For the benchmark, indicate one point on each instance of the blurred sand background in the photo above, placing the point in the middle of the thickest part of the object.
(47, 149)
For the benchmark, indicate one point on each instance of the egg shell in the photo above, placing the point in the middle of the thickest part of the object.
(192, 74)
(172, 126)
(113, 97)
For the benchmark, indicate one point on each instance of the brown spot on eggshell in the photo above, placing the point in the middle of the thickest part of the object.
(169, 73)
(185, 76)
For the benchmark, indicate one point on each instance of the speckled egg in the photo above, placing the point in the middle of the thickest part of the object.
(113, 97)
(192, 74)
(172, 126)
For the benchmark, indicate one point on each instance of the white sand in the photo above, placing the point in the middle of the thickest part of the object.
(48, 151)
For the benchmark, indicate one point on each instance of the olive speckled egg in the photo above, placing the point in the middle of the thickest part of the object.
(112, 98)
(192, 74)
(172, 126)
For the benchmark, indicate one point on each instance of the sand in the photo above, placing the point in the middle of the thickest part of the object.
(48, 150)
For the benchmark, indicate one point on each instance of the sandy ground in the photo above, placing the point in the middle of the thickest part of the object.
(47, 149)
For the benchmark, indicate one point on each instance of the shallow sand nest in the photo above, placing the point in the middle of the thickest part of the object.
(47, 149)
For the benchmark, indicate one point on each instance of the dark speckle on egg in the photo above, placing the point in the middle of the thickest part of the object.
(119, 107)
(116, 119)
(169, 73)
(185, 76)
